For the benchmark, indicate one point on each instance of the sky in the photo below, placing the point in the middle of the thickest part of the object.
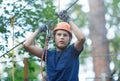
(63, 4)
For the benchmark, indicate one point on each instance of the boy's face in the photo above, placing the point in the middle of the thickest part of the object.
(62, 38)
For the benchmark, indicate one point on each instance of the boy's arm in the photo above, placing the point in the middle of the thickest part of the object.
(79, 35)
(29, 46)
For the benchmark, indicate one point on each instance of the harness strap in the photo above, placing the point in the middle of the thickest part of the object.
(45, 55)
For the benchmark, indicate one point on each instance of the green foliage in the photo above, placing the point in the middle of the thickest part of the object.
(1, 47)
(81, 16)
(112, 22)
(27, 18)
(81, 20)
(1, 1)
(33, 72)
(2, 24)
(112, 11)
(115, 45)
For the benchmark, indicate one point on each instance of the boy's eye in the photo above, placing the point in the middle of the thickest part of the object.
(62, 34)
(65, 35)
(59, 34)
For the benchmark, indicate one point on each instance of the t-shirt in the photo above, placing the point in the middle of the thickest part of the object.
(63, 66)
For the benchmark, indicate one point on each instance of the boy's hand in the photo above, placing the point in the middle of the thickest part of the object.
(63, 16)
(42, 28)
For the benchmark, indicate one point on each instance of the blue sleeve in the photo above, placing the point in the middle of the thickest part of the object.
(75, 51)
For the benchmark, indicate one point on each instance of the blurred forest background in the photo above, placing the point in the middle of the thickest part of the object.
(99, 22)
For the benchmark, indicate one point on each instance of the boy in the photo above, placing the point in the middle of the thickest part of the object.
(63, 61)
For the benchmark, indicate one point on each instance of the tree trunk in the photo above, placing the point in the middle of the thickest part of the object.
(26, 69)
(100, 48)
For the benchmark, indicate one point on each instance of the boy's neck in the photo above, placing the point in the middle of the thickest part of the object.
(60, 49)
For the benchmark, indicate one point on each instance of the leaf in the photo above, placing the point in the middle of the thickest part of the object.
(1, 1)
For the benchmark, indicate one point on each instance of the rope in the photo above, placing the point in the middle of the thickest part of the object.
(12, 25)
(44, 55)
(58, 9)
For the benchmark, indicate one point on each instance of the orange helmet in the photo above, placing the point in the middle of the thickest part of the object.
(63, 26)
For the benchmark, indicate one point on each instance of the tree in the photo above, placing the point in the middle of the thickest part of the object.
(28, 16)
(112, 17)
(111, 10)
(100, 46)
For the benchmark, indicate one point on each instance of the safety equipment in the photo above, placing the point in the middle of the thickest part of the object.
(63, 16)
(63, 26)
(43, 28)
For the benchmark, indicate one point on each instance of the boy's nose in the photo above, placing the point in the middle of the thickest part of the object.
(61, 36)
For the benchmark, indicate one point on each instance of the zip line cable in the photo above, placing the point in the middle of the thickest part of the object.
(12, 49)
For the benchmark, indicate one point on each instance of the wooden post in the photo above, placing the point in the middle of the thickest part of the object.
(25, 69)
